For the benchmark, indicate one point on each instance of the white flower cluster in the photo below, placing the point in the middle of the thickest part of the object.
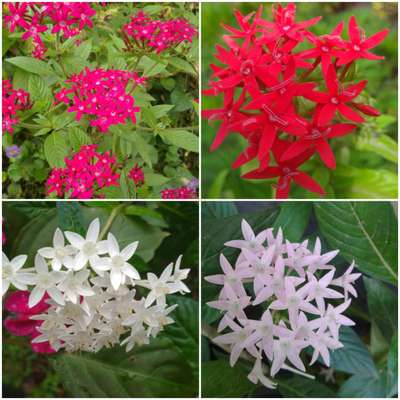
(293, 285)
(96, 296)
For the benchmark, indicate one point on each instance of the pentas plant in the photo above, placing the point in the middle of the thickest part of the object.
(64, 19)
(12, 100)
(302, 299)
(102, 95)
(86, 173)
(272, 100)
(85, 294)
(145, 32)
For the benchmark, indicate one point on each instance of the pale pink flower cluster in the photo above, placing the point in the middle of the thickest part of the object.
(296, 287)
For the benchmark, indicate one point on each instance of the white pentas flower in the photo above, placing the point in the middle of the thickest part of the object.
(88, 248)
(92, 292)
(301, 293)
(12, 273)
(60, 254)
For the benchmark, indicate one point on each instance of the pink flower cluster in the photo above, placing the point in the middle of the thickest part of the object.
(21, 324)
(137, 175)
(182, 192)
(294, 284)
(12, 101)
(157, 34)
(101, 94)
(85, 174)
(65, 18)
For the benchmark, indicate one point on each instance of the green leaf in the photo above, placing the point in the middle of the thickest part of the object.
(84, 49)
(218, 379)
(303, 387)
(153, 179)
(381, 144)
(181, 65)
(382, 306)
(392, 368)
(362, 183)
(151, 67)
(154, 370)
(162, 110)
(181, 138)
(149, 117)
(70, 216)
(354, 356)
(363, 231)
(31, 64)
(55, 149)
(218, 209)
(363, 386)
(78, 138)
(39, 91)
(218, 184)
(293, 218)
(184, 332)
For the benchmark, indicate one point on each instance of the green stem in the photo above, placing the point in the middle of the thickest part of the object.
(115, 212)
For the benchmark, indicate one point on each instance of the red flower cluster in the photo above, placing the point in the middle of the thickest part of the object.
(182, 192)
(20, 324)
(102, 94)
(65, 18)
(137, 175)
(157, 34)
(12, 101)
(261, 81)
(85, 174)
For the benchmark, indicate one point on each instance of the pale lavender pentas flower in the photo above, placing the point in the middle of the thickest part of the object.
(293, 284)
(13, 151)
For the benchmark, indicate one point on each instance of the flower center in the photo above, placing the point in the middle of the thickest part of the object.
(287, 28)
(7, 271)
(60, 252)
(247, 68)
(117, 262)
(356, 48)
(325, 49)
(89, 248)
(334, 100)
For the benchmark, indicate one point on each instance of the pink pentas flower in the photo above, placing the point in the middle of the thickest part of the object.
(20, 322)
(66, 19)
(294, 286)
(103, 95)
(182, 192)
(157, 34)
(85, 174)
(137, 175)
(263, 78)
(13, 100)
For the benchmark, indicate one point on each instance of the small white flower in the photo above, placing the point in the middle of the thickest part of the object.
(75, 285)
(11, 273)
(117, 263)
(179, 275)
(45, 281)
(89, 248)
(59, 253)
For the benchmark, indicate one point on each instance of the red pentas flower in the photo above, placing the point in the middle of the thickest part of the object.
(86, 173)
(143, 31)
(263, 78)
(13, 100)
(19, 323)
(182, 192)
(104, 95)
(67, 19)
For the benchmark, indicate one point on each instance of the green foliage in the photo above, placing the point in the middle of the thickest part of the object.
(164, 139)
(366, 161)
(366, 365)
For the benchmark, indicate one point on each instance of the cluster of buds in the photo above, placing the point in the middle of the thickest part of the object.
(12, 101)
(261, 84)
(103, 94)
(183, 192)
(294, 286)
(86, 173)
(63, 18)
(86, 295)
(157, 34)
